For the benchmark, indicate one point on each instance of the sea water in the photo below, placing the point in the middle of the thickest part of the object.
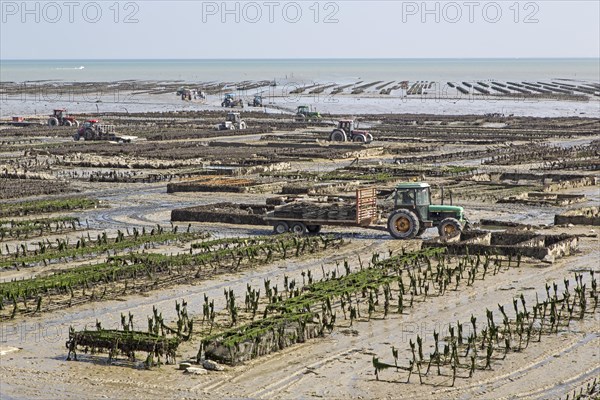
(301, 70)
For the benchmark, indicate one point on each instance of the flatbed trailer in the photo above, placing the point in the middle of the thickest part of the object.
(366, 217)
(20, 122)
(92, 130)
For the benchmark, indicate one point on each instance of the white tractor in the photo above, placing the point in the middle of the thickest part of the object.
(346, 131)
(232, 121)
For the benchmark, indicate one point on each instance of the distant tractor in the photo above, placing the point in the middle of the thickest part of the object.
(232, 121)
(60, 117)
(230, 101)
(188, 94)
(92, 130)
(413, 213)
(257, 102)
(346, 131)
(304, 113)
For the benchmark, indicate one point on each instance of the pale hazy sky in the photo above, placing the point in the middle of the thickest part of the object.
(290, 29)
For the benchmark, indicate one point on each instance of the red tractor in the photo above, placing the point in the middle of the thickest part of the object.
(62, 118)
(345, 132)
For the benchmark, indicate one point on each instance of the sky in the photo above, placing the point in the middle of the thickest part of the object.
(67, 29)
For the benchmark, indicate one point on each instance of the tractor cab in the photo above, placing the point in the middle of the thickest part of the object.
(415, 197)
(233, 117)
(303, 110)
(414, 213)
(346, 124)
(60, 113)
(87, 125)
(229, 96)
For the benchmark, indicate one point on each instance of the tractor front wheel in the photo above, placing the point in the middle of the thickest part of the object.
(359, 139)
(403, 224)
(449, 227)
(67, 123)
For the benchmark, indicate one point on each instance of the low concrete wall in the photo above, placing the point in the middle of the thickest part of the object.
(582, 216)
(574, 182)
(542, 247)
(200, 187)
(541, 199)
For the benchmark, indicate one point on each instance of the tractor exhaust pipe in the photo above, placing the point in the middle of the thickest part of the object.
(442, 195)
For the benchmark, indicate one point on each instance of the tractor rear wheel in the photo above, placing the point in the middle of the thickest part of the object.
(449, 227)
(52, 121)
(89, 134)
(338, 135)
(403, 224)
(314, 229)
(281, 227)
(298, 228)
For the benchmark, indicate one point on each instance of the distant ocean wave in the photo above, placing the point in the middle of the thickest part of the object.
(68, 68)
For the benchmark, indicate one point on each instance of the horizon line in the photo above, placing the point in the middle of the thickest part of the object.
(303, 59)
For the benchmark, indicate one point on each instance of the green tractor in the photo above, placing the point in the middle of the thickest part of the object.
(413, 213)
(304, 113)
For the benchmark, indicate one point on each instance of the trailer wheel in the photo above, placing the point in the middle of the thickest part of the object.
(314, 229)
(403, 224)
(281, 227)
(449, 227)
(298, 228)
